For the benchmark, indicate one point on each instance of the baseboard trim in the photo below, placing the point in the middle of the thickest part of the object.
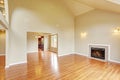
(82, 54)
(110, 60)
(33, 52)
(7, 67)
(114, 61)
(15, 64)
(64, 54)
(2, 54)
(60, 56)
(73, 53)
(18, 63)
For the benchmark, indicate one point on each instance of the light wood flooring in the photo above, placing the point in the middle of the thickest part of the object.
(48, 66)
(2, 67)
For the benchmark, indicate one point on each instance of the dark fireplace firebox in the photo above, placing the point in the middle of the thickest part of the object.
(98, 53)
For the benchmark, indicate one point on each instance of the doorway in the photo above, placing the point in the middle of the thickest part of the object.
(41, 43)
(37, 41)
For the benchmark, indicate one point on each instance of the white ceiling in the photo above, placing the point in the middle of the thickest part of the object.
(78, 7)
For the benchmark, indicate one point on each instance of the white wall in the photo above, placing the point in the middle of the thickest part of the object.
(48, 16)
(99, 26)
(2, 42)
(32, 42)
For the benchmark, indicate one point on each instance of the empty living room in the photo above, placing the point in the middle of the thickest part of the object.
(59, 39)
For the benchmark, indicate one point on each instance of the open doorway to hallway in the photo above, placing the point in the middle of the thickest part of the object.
(37, 41)
(41, 43)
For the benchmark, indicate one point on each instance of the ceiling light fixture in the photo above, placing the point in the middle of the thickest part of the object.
(1, 2)
(83, 34)
(114, 1)
(117, 30)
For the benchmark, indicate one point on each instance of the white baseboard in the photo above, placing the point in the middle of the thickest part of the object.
(18, 63)
(82, 54)
(2, 54)
(7, 67)
(110, 60)
(64, 54)
(15, 64)
(73, 53)
(32, 52)
(114, 61)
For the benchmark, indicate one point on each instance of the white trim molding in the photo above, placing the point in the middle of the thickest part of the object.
(82, 54)
(105, 46)
(109, 60)
(7, 67)
(114, 61)
(59, 55)
(17, 63)
(32, 51)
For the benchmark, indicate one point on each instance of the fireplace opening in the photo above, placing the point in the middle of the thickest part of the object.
(98, 53)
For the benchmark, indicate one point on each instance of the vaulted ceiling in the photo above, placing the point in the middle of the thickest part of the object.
(78, 7)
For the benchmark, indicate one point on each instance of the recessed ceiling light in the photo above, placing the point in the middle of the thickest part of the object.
(114, 1)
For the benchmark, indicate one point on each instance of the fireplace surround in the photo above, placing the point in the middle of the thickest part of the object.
(99, 51)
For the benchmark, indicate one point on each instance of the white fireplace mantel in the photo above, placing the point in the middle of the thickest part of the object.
(105, 46)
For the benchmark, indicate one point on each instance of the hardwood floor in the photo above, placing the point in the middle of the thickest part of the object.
(2, 67)
(48, 66)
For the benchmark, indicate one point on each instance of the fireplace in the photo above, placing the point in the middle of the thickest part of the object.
(99, 51)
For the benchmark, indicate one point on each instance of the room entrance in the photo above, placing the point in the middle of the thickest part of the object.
(37, 41)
